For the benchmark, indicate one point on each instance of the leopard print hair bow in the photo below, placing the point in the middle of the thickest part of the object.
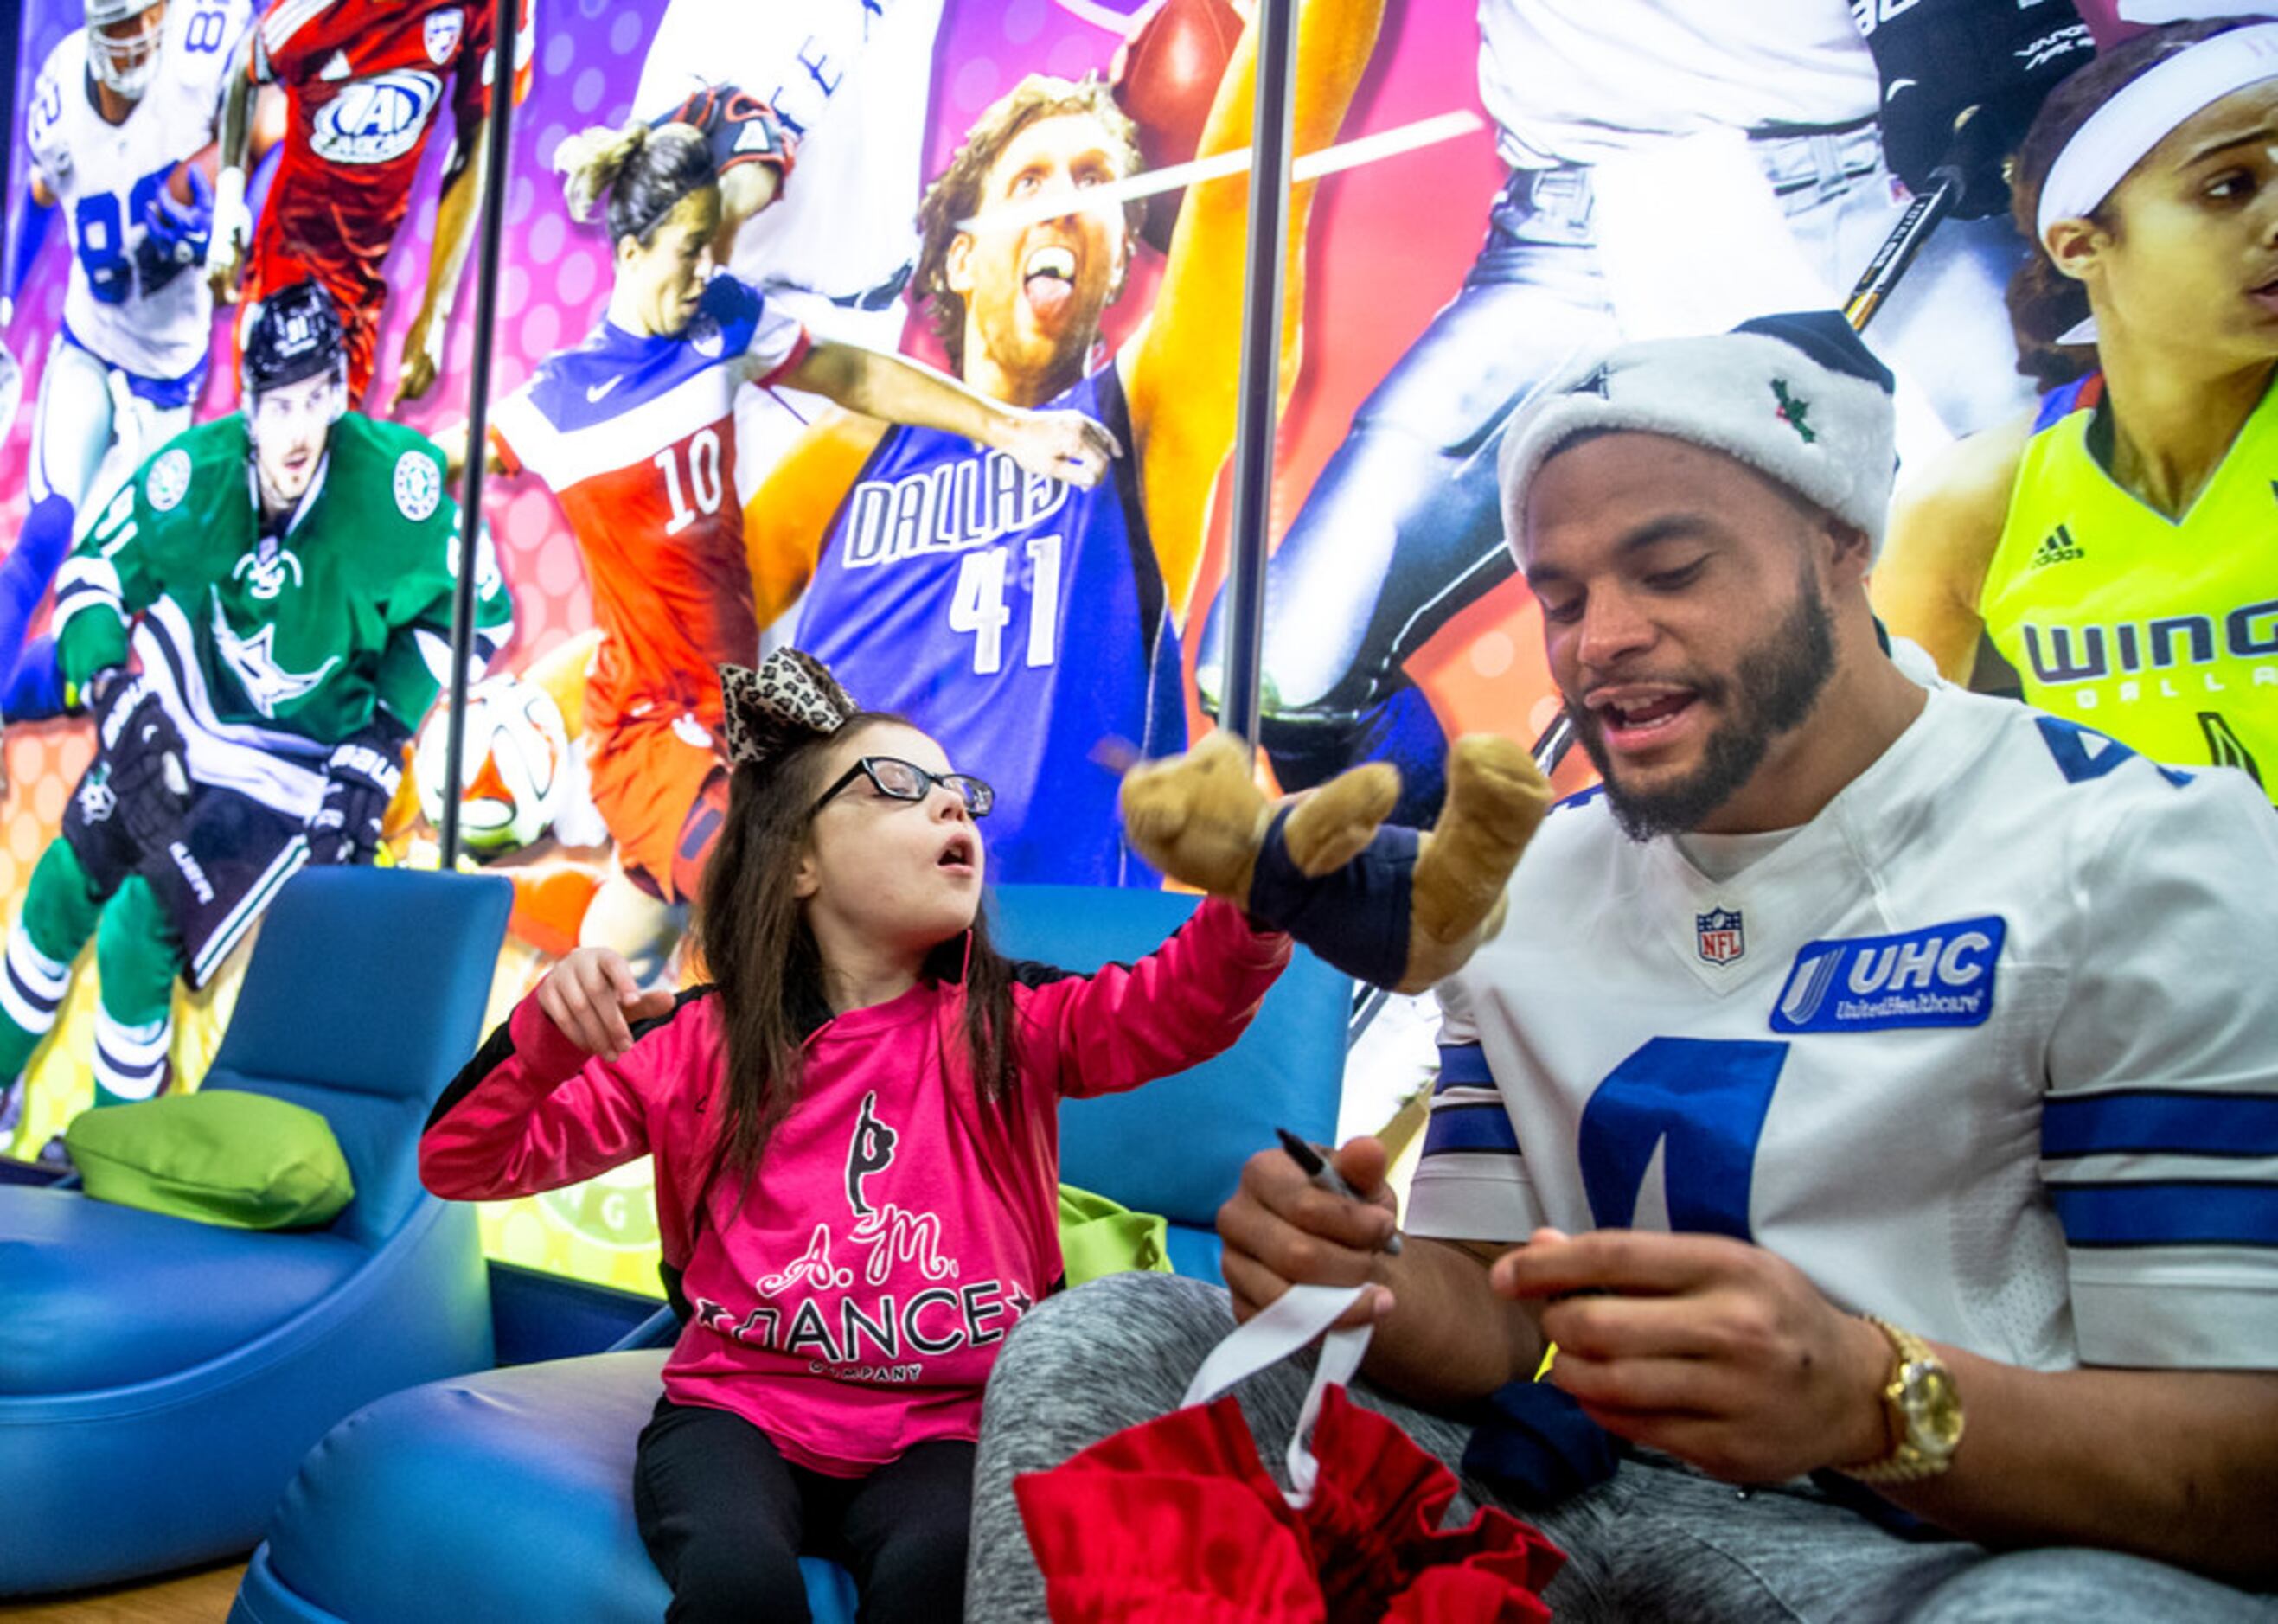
(792, 696)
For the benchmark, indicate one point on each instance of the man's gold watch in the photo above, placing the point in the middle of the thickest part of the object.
(1925, 1413)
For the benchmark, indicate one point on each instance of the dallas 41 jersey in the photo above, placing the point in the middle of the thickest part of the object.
(147, 314)
(1021, 620)
(1985, 1049)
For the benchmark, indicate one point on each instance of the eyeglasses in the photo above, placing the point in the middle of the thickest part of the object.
(906, 781)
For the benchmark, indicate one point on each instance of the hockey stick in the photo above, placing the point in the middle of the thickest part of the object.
(1949, 186)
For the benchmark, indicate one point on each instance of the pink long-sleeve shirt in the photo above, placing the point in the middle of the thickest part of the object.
(852, 1306)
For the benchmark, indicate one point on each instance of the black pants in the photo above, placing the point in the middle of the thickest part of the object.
(725, 1518)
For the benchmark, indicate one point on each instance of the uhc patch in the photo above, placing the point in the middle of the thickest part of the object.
(1938, 976)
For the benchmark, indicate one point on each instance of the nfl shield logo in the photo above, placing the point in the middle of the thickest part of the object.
(443, 30)
(1720, 938)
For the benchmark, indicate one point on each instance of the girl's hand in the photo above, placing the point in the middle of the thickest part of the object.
(593, 997)
(1059, 446)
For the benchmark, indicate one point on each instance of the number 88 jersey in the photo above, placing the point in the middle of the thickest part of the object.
(636, 436)
(146, 314)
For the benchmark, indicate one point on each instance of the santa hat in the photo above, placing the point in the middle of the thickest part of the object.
(1798, 398)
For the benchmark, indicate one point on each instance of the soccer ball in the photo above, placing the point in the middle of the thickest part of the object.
(514, 766)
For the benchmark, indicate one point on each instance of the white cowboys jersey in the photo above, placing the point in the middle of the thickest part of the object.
(1573, 81)
(106, 176)
(1985, 1048)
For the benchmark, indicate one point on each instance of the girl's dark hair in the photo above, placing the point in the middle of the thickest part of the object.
(2043, 303)
(755, 943)
(642, 170)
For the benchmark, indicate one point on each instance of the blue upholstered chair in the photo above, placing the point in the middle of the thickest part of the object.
(506, 1497)
(160, 1379)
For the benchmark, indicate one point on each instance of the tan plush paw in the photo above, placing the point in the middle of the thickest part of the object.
(1199, 817)
(1496, 799)
(1334, 825)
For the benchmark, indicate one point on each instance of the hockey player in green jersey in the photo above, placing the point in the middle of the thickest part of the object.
(286, 578)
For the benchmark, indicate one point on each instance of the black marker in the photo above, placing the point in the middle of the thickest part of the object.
(1315, 1167)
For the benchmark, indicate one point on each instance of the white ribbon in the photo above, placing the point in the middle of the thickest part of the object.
(1278, 1329)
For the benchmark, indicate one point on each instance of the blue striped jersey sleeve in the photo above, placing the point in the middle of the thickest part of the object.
(1470, 1182)
(2159, 1125)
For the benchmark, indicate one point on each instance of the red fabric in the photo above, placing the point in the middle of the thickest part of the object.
(1176, 1518)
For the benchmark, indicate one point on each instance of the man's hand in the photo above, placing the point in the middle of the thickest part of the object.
(361, 778)
(148, 761)
(231, 230)
(1059, 446)
(1712, 1350)
(1280, 1231)
(423, 356)
(591, 996)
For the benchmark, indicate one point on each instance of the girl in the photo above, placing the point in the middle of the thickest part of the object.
(2119, 546)
(634, 430)
(855, 1142)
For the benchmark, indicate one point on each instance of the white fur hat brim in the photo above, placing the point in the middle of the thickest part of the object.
(1828, 435)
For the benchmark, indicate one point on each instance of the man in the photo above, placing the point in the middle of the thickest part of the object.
(1022, 622)
(120, 109)
(1617, 119)
(1845, 998)
(362, 85)
(287, 579)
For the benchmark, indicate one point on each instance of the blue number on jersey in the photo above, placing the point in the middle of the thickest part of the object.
(2084, 754)
(100, 231)
(1706, 1101)
(206, 30)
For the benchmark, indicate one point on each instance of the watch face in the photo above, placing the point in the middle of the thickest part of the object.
(1931, 1407)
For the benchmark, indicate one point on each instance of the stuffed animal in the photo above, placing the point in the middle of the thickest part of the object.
(1394, 906)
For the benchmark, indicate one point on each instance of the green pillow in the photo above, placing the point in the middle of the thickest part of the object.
(224, 1156)
(1097, 1238)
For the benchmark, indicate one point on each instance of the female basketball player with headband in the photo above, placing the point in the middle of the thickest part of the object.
(2118, 546)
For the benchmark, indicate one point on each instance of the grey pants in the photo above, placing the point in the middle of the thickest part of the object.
(1656, 1542)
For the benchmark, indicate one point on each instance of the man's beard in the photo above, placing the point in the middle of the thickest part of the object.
(1776, 688)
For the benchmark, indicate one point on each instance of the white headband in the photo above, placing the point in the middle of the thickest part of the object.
(2145, 111)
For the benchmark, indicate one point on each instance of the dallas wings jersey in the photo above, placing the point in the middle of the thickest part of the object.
(2162, 631)
(269, 650)
(636, 436)
(1020, 621)
(362, 82)
(1573, 81)
(1984, 1048)
(150, 316)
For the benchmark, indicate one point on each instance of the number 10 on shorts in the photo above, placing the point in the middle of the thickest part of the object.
(978, 607)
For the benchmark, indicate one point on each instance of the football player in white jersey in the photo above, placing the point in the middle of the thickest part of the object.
(119, 110)
(1674, 165)
(852, 81)
(1874, 1097)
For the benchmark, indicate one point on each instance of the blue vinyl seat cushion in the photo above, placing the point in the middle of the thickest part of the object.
(512, 1487)
(98, 1296)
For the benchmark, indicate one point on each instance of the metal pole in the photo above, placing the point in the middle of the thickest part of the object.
(1261, 367)
(505, 15)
